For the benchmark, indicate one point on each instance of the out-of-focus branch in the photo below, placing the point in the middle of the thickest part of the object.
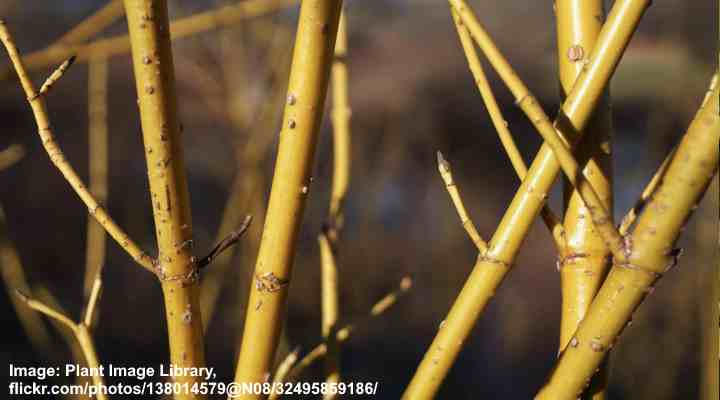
(183, 27)
(343, 334)
(92, 25)
(11, 155)
(81, 332)
(328, 238)
(98, 149)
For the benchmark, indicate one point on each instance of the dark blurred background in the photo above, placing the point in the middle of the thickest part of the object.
(412, 94)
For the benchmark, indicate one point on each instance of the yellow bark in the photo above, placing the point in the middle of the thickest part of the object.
(651, 253)
(491, 267)
(183, 27)
(309, 75)
(583, 260)
(176, 267)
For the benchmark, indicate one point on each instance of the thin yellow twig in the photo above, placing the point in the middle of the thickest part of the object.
(81, 331)
(93, 300)
(468, 225)
(93, 24)
(600, 216)
(37, 103)
(501, 126)
(283, 369)
(344, 333)
(47, 311)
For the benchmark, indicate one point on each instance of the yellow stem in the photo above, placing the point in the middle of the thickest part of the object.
(583, 262)
(451, 187)
(39, 109)
(490, 269)
(309, 75)
(500, 124)
(341, 113)
(651, 253)
(176, 269)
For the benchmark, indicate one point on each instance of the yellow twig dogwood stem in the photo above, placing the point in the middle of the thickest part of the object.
(176, 267)
(501, 125)
(39, 109)
(491, 268)
(583, 261)
(183, 27)
(98, 146)
(451, 187)
(307, 88)
(651, 253)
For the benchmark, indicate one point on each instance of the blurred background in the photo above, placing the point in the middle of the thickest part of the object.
(411, 94)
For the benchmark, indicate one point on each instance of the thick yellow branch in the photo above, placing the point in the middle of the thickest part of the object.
(489, 270)
(583, 261)
(651, 254)
(39, 109)
(176, 268)
(309, 75)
